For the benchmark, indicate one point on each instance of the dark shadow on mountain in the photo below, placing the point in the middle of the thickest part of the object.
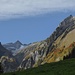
(71, 55)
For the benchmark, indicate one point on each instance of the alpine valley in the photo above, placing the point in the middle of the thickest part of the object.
(59, 46)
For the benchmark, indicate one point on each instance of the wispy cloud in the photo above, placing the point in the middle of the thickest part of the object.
(17, 8)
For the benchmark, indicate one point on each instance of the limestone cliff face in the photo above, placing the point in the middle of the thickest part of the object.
(34, 54)
(64, 28)
(60, 47)
(54, 48)
(62, 53)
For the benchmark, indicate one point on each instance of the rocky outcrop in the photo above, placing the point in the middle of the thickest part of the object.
(9, 64)
(60, 54)
(34, 55)
(59, 49)
(64, 28)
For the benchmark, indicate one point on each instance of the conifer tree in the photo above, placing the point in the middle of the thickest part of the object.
(1, 68)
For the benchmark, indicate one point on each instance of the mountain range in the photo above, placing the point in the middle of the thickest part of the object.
(59, 46)
(13, 47)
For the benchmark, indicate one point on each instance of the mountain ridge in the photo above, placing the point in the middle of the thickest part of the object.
(59, 46)
(14, 47)
(66, 26)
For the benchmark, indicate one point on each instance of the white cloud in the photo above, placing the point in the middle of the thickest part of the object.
(17, 8)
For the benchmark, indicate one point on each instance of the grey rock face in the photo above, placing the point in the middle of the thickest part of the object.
(9, 64)
(13, 47)
(64, 27)
(35, 55)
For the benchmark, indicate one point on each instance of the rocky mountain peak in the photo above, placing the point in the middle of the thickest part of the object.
(67, 21)
(65, 27)
(18, 42)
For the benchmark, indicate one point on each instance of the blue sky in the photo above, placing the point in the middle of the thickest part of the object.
(30, 29)
(30, 25)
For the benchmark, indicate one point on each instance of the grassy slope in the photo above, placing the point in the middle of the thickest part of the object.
(66, 67)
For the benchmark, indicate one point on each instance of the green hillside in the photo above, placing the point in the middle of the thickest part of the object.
(66, 67)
